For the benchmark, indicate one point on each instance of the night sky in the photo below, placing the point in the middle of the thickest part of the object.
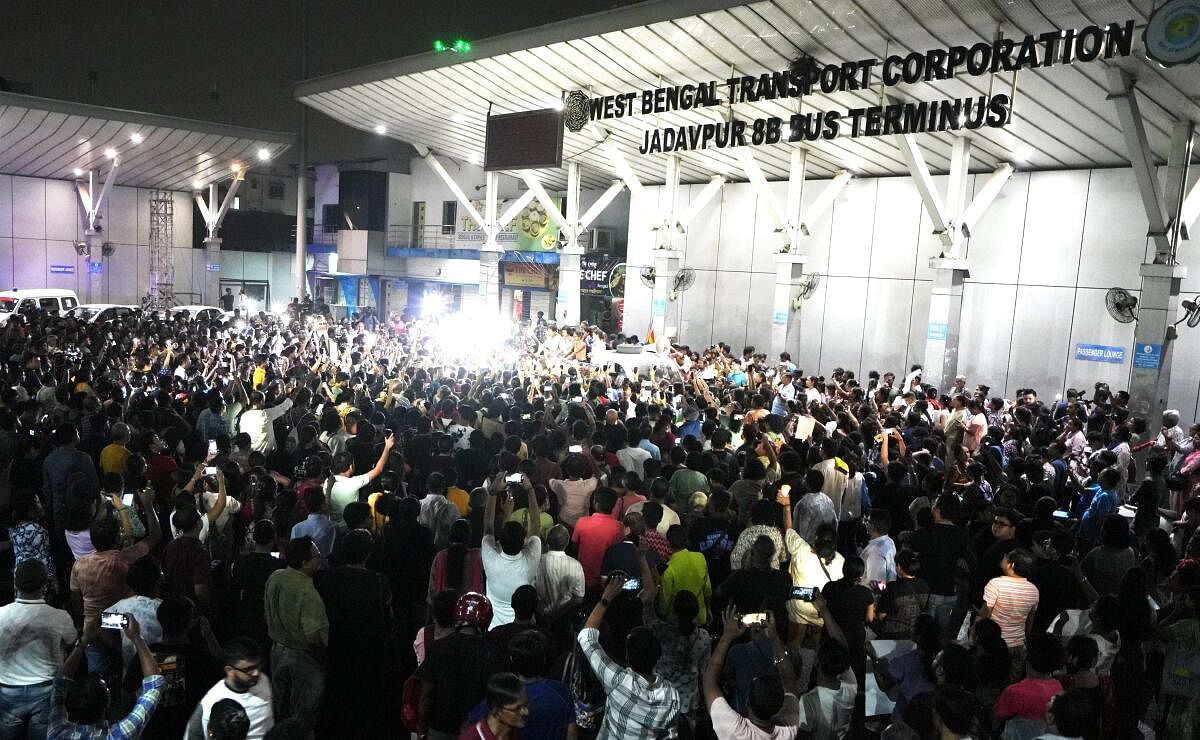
(168, 56)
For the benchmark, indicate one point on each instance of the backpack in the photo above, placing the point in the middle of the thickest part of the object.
(410, 704)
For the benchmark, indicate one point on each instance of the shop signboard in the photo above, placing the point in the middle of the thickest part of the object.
(532, 230)
(1099, 353)
(601, 275)
(937, 331)
(524, 275)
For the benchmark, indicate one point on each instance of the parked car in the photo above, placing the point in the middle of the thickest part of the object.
(53, 300)
(201, 313)
(96, 313)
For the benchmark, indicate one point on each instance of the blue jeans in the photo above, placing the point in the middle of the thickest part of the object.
(942, 608)
(25, 709)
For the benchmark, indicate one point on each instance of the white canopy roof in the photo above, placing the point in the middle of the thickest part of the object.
(47, 138)
(1062, 117)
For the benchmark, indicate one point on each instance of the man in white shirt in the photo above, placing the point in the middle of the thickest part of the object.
(879, 555)
(259, 422)
(1173, 438)
(244, 683)
(512, 559)
(345, 485)
(560, 577)
(33, 635)
(631, 458)
(772, 703)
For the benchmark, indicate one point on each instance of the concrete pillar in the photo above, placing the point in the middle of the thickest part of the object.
(666, 264)
(95, 276)
(567, 308)
(785, 323)
(1150, 376)
(945, 318)
(211, 285)
(489, 280)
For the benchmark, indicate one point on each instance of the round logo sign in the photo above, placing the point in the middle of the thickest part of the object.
(1172, 35)
(616, 281)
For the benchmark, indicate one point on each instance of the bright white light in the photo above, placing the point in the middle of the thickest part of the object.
(77, 172)
(110, 153)
(962, 119)
(381, 129)
(433, 304)
(236, 167)
(197, 185)
(136, 138)
(557, 104)
(264, 155)
(458, 118)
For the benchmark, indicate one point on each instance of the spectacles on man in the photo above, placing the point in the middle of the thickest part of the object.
(251, 670)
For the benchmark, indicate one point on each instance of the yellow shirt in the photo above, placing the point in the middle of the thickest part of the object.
(461, 499)
(260, 377)
(112, 459)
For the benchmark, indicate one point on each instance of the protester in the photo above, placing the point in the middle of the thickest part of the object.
(748, 479)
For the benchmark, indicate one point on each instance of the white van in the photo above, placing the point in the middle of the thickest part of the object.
(53, 300)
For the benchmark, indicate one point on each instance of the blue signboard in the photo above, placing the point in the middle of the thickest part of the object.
(938, 331)
(660, 307)
(62, 269)
(1099, 353)
(95, 268)
(1147, 356)
(780, 318)
(213, 268)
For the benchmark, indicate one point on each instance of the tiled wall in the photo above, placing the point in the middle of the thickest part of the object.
(1041, 260)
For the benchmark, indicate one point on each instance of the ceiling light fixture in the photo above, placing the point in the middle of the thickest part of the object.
(381, 129)
(136, 138)
(77, 172)
(264, 155)
(110, 153)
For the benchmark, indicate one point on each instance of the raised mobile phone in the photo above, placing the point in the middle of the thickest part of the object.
(127, 499)
(576, 449)
(632, 584)
(803, 593)
(113, 621)
(514, 478)
(210, 470)
(755, 619)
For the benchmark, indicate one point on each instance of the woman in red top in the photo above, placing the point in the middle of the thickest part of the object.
(507, 710)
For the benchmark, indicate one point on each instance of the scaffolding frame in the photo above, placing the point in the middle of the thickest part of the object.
(162, 241)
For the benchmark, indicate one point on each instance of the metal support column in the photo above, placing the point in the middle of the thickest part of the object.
(298, 267)
(214, 216)
(666, 264)
(1150, 376)
(568, 306)
(785, 323)
(945, 313)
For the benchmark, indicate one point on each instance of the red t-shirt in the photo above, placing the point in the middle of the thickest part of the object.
(593, 535)
(1027, 699)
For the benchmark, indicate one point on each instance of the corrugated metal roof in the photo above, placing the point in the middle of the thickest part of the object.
(47, 138)
(1062, 118)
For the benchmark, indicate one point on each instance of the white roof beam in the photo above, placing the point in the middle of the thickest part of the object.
(924, 182)
(755, 176)
(1121, 91)
(824, 201)
(701, 201)
(605, 199)
(1178, 164)
(424, 152)
(985, 196)
(539, 192)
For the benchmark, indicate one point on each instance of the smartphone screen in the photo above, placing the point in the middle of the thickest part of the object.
(632, 584)
(1062, 515)
(277, 555)
(212, 448)
(754, 619)
(576, 449)
(803, 593)
(113, 621)
(127, 499)
(210, 471)
(514, 478)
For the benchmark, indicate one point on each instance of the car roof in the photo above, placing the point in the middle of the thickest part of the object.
(44, 292)
(194, 307)
(102, 306)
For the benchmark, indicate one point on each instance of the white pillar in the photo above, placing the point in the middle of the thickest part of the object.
(489, 279)
(567, 301)
(666, 264)
(212, 272)
(1150, 375)
(785, 323)
(942, 331)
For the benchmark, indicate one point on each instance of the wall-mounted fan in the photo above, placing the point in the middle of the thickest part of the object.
(807, 287)
(647, 276)
(1191, 313)
(684, 279)
(1120, 305)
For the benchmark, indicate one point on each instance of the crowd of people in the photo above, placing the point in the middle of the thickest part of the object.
(290, 526)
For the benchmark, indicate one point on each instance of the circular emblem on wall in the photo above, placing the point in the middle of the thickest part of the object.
(616, 281)
(1172, 36)
(576, 110)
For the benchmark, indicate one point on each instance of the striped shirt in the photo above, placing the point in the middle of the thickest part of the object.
(131, 727)
(1011, 600)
